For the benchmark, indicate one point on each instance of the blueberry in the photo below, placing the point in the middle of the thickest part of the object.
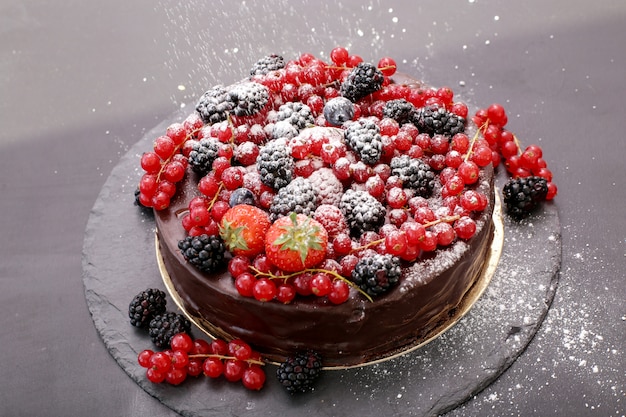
(338, 110)
(241, 196)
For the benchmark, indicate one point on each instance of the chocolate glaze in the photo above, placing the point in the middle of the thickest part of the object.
(352, 333)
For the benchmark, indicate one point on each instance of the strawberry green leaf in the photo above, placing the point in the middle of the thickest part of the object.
(300, 237)
(233, 236)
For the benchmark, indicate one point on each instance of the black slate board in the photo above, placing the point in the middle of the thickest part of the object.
(119, 261)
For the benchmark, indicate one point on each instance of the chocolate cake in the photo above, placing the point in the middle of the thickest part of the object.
(411, 180)
(355, 332)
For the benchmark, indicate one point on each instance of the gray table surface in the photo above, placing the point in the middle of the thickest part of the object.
(81, 82)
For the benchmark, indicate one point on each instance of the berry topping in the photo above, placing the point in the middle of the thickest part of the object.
(295, 114)
(275, 164)
(363, 137)
(241, 196)
(436, 120)
(214, 105)
(296, 242)
(399, 110)
(243, 228)
(202, 155)
(267, 64)
(298, 196)
(414, 173)
(377, 274)
(205, 252)
(362, 211)
(364, 79)
(338, 110)
(248, 98)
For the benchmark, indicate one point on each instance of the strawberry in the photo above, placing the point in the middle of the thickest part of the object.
(243, 228)
(296, 242)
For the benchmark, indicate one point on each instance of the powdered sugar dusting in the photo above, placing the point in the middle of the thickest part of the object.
(329, 188)
(568, 346)
(416, 275)
(472, 354)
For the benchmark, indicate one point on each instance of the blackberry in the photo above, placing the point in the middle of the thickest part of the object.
(145, 306)
(377, 274)
(363, 137)
(298, 196)
(275, 164)
(267, 64)
(362, 211)
(522, 195)
(399, 110)
(364, 79)
(202, 155)
(247, 98)
(414, 174)
(204, 252)
(164, 326)
(436, 120)
(214, 105)
(137, 201)
(297, 114)
(298, 373)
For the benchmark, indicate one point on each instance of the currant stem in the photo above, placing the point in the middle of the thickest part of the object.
(176, 149)
(313, 271)
(518, 144)
(224, 357)
(447, 219)
(214, 199)
(474, 139)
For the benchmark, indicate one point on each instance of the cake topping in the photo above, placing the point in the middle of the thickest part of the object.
(338, 110)
(267, 64)
(296, 242)
(243, 229)
(214, 105)
(364, 79)
(377, 274)
(436, 120)
(275, 164)
(298, 196)
(363, 212)
(205, 252)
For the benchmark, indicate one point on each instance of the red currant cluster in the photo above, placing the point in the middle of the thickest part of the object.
(261, 280)
(235, 360)
(506, 147)
(166, 165)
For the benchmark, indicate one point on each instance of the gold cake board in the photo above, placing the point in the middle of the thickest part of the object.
(468, 301)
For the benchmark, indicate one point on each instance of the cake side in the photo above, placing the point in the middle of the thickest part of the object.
(355, 332)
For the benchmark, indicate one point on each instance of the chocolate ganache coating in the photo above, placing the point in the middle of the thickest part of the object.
(355, 332)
